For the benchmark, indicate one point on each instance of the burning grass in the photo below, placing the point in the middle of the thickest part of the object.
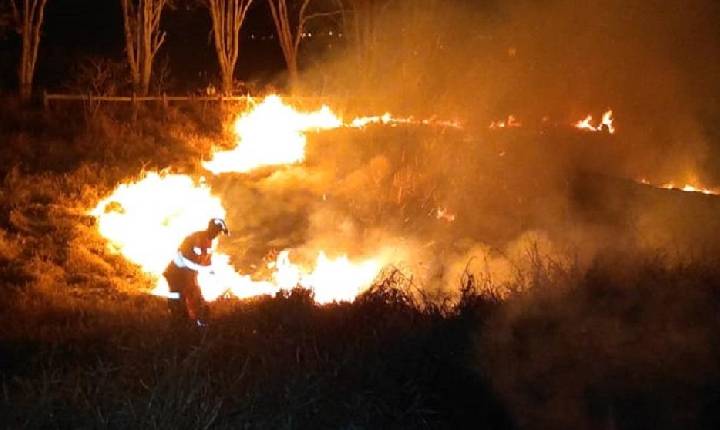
(561, 344)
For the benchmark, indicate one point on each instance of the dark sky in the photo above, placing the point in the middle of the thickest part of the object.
(79, 29)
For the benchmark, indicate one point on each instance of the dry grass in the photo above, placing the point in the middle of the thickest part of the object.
(630, 344)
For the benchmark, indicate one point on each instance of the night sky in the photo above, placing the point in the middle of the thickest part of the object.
(75, 30)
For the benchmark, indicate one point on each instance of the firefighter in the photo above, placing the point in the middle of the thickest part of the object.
(194, 255)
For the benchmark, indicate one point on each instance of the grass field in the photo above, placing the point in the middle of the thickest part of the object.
(629, 342)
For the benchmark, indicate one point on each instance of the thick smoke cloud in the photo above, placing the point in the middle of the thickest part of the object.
(446, 200)
(653, 62)
(510, 206)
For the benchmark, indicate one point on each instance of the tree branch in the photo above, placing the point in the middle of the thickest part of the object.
(320, 15)
(158, 40)
(301, 25)
(16, 17)
(36, 32)
(128, 12)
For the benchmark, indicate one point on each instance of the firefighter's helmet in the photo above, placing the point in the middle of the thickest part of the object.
(217, 226)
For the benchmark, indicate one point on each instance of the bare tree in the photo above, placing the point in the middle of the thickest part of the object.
(291, 18)
(28, 19)
(143, 38)
(290, 28)
(227, 19)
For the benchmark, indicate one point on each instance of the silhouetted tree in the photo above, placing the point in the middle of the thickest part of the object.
(290, 18)
(143, 38)
(227, 19)
(28, 19)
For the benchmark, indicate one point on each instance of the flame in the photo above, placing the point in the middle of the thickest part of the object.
(445, 214)
(606, 123)
(389, 120)
(367, 120)
(336, 279)
(511, 122)
(272, 133)
(146, 221)
(688, 188)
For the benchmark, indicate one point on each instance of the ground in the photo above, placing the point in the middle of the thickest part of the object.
(631, 342)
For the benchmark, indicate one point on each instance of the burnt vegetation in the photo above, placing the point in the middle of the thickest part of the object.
(627, 342)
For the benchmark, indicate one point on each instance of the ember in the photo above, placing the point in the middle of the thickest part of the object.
(605, 124)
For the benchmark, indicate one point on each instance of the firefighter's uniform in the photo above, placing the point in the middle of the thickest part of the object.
(194, 254)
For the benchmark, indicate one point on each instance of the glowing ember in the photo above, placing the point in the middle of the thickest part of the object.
(605, 124)
(273, 133)
(511, 122)
(445, 214)
(687, 187)
(367, 120)
(146, 221)
(389, 120)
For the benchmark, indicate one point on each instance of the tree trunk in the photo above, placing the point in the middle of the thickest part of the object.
(289, 30)
(28, 22)
(25, 76)
(293, 78)
(143, 38)
(227, 19)
(227, 80)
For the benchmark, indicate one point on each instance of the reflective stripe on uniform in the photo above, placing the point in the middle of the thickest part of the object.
(180, 260)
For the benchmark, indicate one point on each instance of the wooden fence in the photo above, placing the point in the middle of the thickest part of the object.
(164, 99)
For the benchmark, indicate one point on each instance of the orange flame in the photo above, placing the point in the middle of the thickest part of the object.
(274, 133)
(605, 124)
(389, 120)
(146, 221)
(511, 122)
(688, 188)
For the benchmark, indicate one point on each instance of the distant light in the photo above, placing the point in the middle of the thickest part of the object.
(330, 33)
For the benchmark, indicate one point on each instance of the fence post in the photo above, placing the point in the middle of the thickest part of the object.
(165, 100)
(134, 107)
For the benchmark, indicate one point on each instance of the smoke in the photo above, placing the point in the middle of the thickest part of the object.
(510, 205)
(653, 62)
(442, 202)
